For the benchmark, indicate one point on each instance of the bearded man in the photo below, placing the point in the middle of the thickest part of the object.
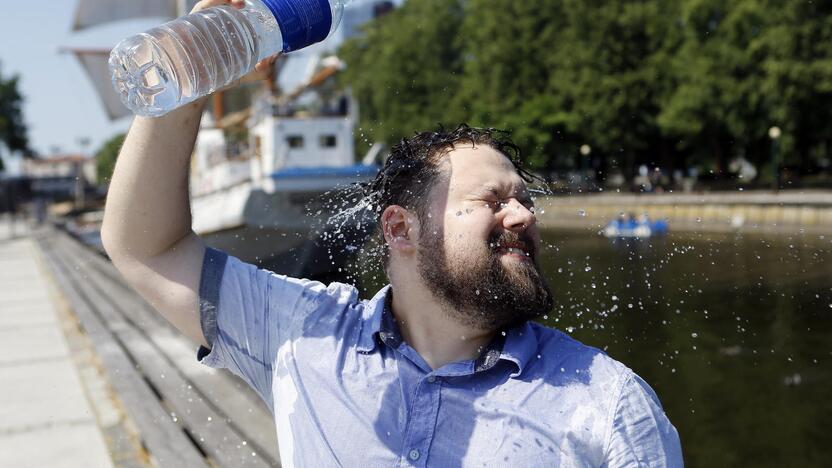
(442, 367)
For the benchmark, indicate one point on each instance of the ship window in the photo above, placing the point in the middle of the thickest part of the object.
(295, 141)
(329, 141)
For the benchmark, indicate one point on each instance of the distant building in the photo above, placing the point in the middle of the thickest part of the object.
(63, 177)
(69, 165)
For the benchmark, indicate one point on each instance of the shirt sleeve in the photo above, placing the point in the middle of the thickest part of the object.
(641, 434)
(244, 312)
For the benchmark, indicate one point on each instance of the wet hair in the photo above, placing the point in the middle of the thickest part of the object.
(413, 166)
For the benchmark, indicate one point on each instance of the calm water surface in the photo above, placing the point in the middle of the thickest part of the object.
(733, 332)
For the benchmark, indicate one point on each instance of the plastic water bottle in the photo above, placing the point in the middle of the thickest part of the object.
(180, 61)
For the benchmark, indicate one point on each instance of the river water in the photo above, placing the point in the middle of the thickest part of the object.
(733, 332)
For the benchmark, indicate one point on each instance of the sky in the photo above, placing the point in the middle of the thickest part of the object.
(60, 104)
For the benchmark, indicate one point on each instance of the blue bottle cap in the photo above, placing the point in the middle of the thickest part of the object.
(302, 22)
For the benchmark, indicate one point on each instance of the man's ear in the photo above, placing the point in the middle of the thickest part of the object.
(401, 229)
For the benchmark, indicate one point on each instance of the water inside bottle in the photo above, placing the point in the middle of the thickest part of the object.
(182, 60)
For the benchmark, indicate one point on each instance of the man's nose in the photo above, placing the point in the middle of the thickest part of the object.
(517, 216)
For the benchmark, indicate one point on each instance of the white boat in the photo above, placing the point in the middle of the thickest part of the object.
(261, 201)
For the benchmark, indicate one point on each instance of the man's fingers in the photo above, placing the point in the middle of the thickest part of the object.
(266, 63)
(203, 4)
(261, 70)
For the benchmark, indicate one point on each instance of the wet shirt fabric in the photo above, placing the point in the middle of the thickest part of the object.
(346, 390)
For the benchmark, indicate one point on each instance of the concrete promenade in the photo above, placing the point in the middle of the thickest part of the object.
(46, 418)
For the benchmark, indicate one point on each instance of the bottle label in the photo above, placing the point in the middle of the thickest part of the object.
(302, 22)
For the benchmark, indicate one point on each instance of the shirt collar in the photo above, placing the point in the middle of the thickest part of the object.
(371, 320)
(518, 345)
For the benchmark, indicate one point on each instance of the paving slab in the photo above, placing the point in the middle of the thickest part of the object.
(31, 343)
(43, 393)
(45, 415)
(53, 447)
(24, 315)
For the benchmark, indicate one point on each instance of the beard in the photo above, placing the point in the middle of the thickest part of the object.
(485, 294)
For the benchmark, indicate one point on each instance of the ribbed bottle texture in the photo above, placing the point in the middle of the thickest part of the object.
(180, 61)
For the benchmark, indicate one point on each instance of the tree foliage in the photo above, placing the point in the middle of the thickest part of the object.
(406, 68)
(105, 158)
(12, 127)
(671, 83)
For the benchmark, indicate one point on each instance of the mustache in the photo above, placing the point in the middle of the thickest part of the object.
(510, 237)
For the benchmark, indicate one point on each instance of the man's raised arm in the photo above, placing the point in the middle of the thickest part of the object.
(147, 221)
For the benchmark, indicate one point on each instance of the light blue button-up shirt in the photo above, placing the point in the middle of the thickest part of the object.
(346, 390)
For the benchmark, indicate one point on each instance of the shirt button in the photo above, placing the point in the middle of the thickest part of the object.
(431, 379)
(414, 454)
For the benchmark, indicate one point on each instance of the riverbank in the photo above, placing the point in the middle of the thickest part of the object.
(745, 212)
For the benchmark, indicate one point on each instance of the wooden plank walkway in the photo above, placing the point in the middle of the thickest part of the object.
(186, 414)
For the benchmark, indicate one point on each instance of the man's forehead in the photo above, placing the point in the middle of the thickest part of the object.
(481, 167)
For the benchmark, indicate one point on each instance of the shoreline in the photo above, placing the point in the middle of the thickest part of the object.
(766, 212)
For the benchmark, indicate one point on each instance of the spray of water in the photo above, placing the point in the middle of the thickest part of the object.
(344, 224)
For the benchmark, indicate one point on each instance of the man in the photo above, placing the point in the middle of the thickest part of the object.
(441, 368)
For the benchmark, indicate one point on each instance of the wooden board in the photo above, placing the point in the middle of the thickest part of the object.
(164, 439)
(227, 394)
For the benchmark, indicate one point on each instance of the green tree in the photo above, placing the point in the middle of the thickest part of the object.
(718, 108)
(745, 66)
(563, 73)
(660, 82)
(105, 158)
(559, 73)
(12, 127)
(797, 79)
(405, 70)
(509, 71)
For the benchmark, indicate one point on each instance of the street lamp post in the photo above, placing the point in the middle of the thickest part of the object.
(775, 133)
(585, 150)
